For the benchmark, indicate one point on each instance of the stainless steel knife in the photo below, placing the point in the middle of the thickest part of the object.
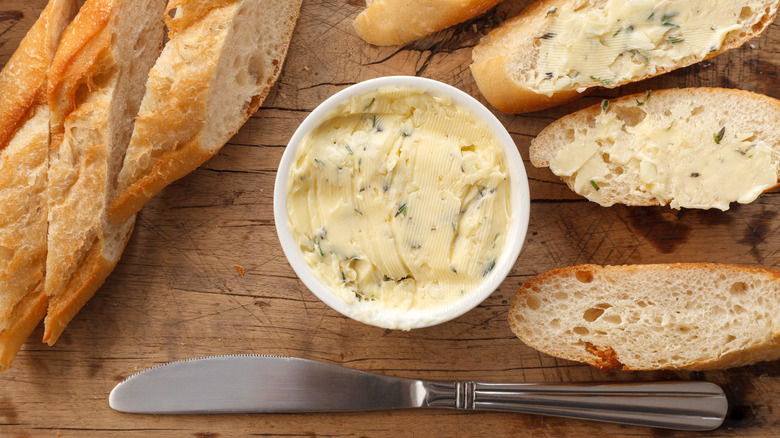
(269, 384)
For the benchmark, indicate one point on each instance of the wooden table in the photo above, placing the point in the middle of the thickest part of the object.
(177, 292)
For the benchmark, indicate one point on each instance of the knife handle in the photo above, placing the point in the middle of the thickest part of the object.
(670, 405)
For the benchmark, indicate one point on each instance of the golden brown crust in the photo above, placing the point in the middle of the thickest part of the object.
(24, 141)
(493, 71)
(510, 97)
(188, 151)
(23, 79)
(24, 317)
(395, 22)
(83, 45)
(87, 279)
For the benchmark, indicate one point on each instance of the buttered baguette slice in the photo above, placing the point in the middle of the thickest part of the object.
(24, 157)
(649, 317)
(219, 65)
(395, 22)
(556, 50)
(693, 148)
(95, 88)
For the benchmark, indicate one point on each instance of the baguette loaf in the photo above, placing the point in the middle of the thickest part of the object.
(95, 88)
(394, 22)
(220, 63)
(556, 50)
(693, 148)
(24, 157)
(648, 317)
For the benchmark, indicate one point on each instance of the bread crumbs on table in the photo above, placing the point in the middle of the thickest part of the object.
(240, 270)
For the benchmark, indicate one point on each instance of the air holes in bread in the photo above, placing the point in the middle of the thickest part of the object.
(533, 302)
(584, 276)
(738, 288)
(568, 136)
(592, 314)
(81, 94)
(631, 116)
(581, 331)
(172, 13)
(730, 338)
(745, 13)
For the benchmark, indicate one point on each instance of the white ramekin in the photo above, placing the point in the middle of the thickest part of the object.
(418, 318)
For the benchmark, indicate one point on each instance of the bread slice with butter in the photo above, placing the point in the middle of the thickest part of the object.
(24, 157)
(693, 148)
(95, 88)
(395, 22)
(556, 50)
(650, 317)
(219, 65)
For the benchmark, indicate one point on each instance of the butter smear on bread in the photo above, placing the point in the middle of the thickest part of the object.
(400, 200)
(692, 148)
(626, 39)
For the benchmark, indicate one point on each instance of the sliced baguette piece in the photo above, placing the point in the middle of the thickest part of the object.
(691, 147)
(651, 317)
(556, 50)
(219, 65)
(95, 88)
(24, 157)
(395, 22)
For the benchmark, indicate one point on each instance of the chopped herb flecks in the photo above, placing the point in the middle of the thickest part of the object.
(358, 211)
(317, 246)
(595, 186)
(489, 268)
(695, 175)
(551, 11)
(401, 210)
(548, 36)
(675, 40)
(642, 102)
(604, 104)
(719, 135)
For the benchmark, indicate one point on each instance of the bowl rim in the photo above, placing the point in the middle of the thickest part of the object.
(520, 205)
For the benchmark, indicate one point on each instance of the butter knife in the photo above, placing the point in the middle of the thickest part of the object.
(270, 384)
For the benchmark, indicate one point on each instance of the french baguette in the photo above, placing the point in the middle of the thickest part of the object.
(220, 63)
(95, 88)
(395, 22)
(24, 157)
(556, 50)
(692, 147)
(650, 317)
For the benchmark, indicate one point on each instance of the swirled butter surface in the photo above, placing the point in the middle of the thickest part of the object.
(621, 40)
(400, 200)
(674, 161)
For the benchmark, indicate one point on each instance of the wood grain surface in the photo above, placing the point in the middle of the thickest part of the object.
(177, 293)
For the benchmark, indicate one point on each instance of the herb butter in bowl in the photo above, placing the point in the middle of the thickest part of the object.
(401, 202)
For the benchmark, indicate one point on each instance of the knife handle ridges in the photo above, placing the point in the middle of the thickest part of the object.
(672, 405)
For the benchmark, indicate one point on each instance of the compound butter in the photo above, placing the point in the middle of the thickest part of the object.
(622, 40)
(400, 200)
(678, 163)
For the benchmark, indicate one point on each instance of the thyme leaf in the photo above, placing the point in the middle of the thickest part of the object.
(719, 135)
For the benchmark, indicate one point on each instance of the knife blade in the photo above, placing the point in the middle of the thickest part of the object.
(272, 384)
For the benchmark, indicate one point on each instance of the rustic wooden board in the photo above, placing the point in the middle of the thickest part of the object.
(177, 294)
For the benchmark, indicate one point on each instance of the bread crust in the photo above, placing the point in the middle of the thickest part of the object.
(491, 67)
(95, 88)
(395, 22)
(179, 119)
(24, 142)
(603, 355)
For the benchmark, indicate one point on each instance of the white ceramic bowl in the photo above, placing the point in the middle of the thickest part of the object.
(417, 318)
